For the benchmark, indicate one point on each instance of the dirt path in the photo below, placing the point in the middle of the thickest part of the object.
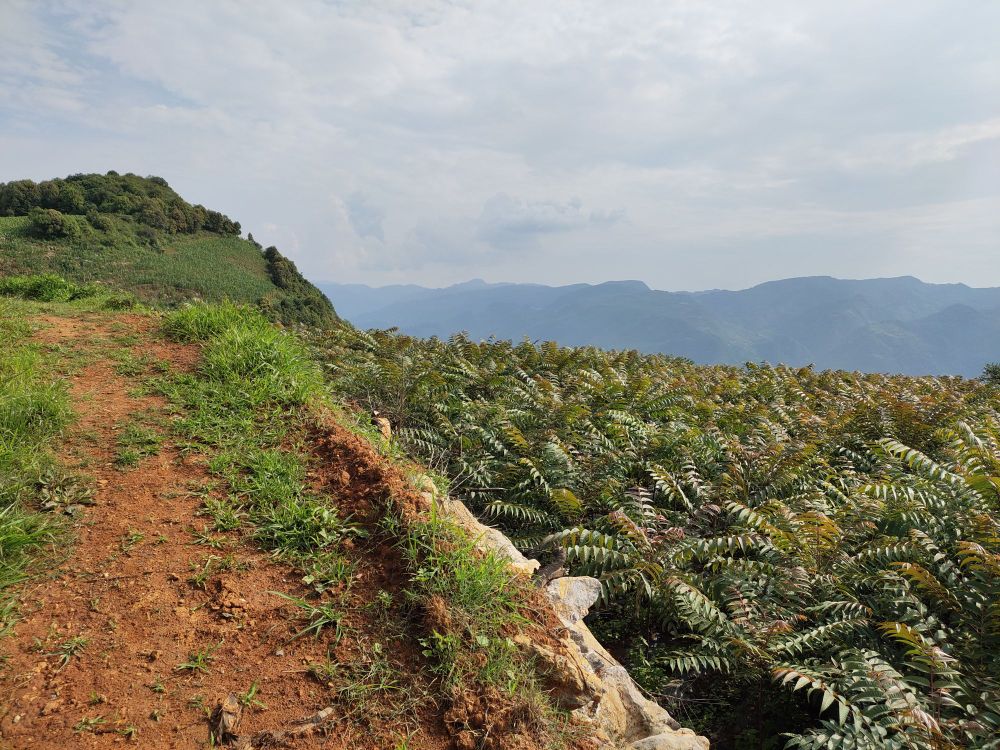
(96, 660)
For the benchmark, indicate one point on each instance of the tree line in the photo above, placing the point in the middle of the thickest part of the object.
(149, 201)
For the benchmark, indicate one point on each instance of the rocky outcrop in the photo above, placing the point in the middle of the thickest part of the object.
(589, 681)
(611, 701)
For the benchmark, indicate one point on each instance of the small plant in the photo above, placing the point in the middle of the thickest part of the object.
(198, 661)
(213, 565)
(135, 443)
(130, 540)
(328, 570)
(129, 731)
(224, 513)
(321, 616)
(323, 672)
(198, 702)
(68, 649)
(207, 539)
(370, 675)
(249, 698)
(89, 724)
(157, 686)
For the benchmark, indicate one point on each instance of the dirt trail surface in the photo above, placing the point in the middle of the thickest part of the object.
(122, 644)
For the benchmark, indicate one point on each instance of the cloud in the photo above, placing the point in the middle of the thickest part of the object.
(507, 221)
(432, 141)
(365, 218)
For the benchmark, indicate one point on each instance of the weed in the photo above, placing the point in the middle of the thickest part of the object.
(135, 442)
(215, 541)
(198, 661)
(198, 702)
(320, 616)
(328, 570)
(226, 516)
(249, 698)
(129, 731)
(213, 565)
(68, 649)
(89, 724)
(129, 540)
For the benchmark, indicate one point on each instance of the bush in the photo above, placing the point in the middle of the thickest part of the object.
(991, 373)
(51, 224)
(45, 288)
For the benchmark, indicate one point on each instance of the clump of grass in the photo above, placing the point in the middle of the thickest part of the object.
(320, 616)
(89, 724)
(69, 648)
(226, 516)
(136, 442)
(201, 322)
(471, 601)
(48, 287)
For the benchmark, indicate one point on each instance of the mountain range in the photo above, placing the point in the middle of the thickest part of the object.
(898, 325)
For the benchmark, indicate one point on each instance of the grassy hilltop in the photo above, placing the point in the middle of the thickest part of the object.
(138, 235)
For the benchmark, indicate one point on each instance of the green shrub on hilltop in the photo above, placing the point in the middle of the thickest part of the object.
(147, 200)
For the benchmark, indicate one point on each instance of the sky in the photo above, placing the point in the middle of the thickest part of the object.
(691, 144)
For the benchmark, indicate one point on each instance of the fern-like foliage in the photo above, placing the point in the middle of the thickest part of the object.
(830, 538)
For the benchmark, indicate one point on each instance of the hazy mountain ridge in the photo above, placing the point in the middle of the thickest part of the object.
(895, 324)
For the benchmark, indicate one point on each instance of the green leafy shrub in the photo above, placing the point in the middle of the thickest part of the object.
(45, 288)
(815, 552)
(51, 224)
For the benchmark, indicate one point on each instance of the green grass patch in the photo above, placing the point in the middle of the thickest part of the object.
(136, 442)
(34, 409)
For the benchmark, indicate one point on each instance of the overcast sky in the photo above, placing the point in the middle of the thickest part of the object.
(691, 144)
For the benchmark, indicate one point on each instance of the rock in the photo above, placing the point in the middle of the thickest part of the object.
(574, 595)
(485, 537)
(384, 427)
(684, 739)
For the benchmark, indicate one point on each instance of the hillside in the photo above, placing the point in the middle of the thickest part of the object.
(197, 551)
(813, 552)
(897, 325)
(137, 235)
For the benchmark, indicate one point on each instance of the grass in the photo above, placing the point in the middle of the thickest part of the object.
(34, 409)
(198, 661)
(473, 601)
(246, 408)
(68, 649)
(320, 616)
(136, 442)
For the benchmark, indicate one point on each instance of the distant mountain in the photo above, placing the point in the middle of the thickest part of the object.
(888, 325)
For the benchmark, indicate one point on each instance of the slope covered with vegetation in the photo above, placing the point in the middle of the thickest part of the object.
(222, 557)
(789, 557)
(138, 235)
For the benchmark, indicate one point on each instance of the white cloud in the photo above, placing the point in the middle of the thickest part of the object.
(433, 141)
